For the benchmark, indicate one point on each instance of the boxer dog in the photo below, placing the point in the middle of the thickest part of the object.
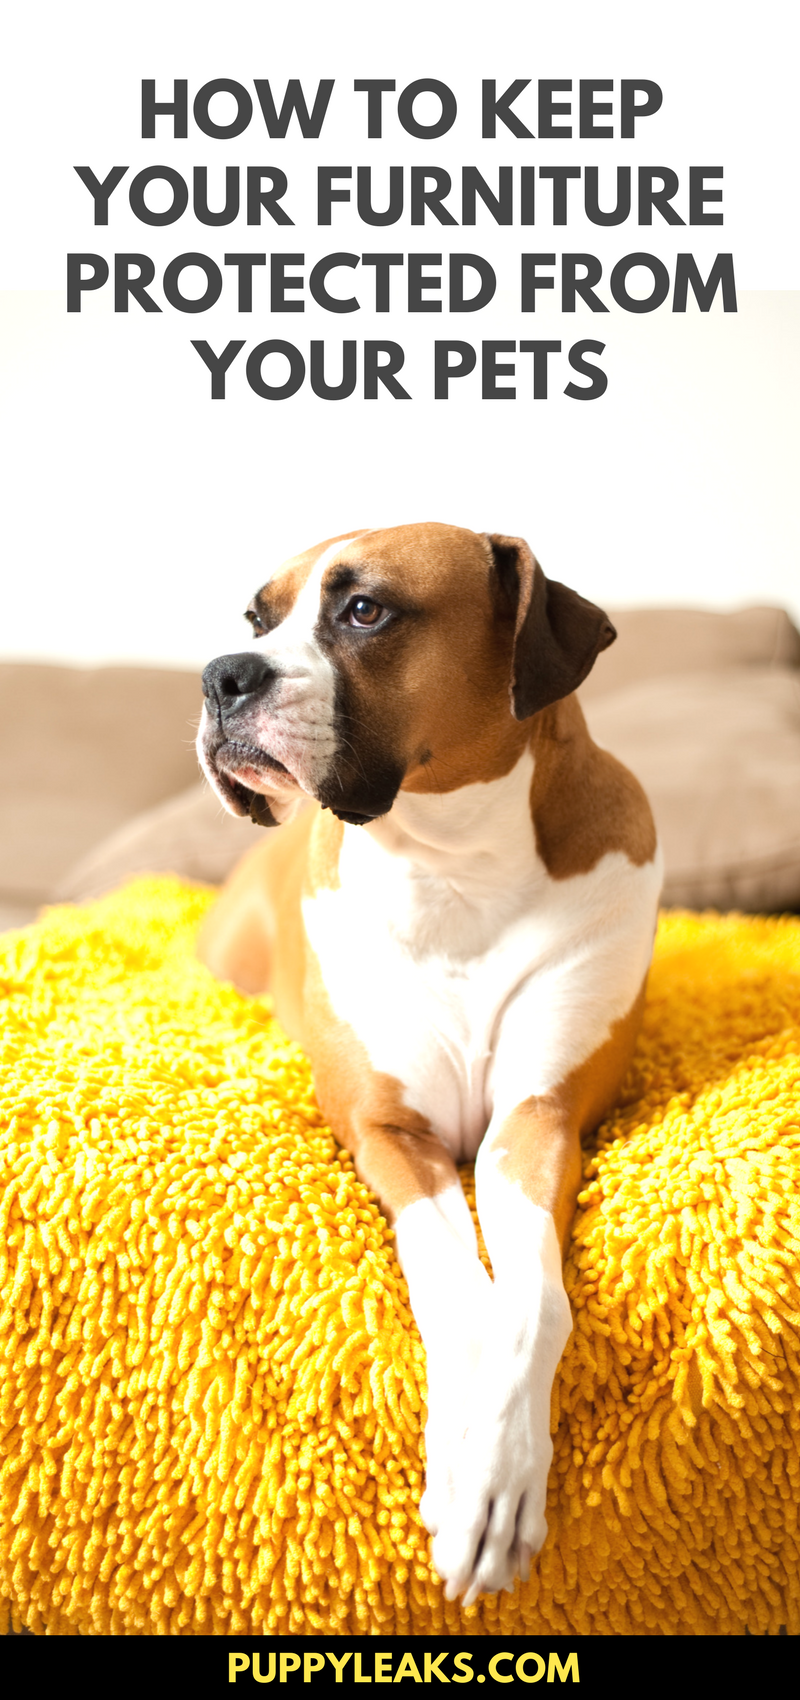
(457, 930)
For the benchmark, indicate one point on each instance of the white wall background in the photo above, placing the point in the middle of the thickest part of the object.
(139, 516)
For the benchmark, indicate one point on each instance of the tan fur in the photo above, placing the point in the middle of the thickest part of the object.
(234, 940)
(584, 803)
(442, 689)
(541, 1138)
(258, 910)
(325, 843)
(277, 597)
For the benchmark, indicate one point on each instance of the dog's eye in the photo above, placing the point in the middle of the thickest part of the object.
(362, 611)
(258, 625)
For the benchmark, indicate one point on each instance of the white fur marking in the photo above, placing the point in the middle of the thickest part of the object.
(296, 724)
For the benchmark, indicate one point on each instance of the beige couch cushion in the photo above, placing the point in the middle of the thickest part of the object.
(652, 642)
(718, 754)
(190, 835)
(82, 749)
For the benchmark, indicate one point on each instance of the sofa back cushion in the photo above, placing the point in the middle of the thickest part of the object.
(82, 749)
(652, 642)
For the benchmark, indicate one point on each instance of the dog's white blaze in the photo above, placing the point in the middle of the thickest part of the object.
(495, 980)
(296, 724)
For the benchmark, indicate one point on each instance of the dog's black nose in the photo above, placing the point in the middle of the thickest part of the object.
(231, 679)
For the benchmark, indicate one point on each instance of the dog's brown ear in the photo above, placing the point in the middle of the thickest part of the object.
(558, 635)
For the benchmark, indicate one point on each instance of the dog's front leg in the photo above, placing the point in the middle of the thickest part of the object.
(528, 1173)
(419, 1188)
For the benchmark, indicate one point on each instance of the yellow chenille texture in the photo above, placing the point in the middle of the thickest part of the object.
(213, 1392)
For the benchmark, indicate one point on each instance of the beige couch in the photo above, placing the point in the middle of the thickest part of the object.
(99, 779)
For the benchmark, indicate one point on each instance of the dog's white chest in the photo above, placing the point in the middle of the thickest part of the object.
(425, 1013)
(475, 980)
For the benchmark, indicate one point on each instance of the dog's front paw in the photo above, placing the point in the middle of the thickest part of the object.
(494, 1518)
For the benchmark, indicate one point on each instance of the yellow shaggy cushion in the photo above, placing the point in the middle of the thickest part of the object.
(212, 1394)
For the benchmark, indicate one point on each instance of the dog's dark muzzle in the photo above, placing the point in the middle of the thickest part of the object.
(231, 685)
(232, 682)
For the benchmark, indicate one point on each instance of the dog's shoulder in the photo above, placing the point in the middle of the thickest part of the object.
(584, 803)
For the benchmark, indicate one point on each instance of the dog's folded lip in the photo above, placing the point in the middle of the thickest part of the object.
(232, 758)
(230, 761)
(237, 796)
